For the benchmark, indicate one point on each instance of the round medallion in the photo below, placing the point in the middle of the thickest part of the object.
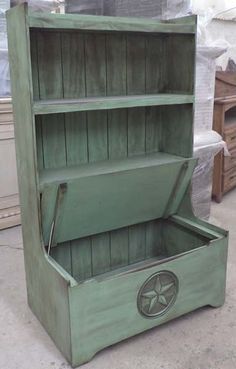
(157, 294)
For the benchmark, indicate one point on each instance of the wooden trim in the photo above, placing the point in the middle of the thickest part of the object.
(97, 23)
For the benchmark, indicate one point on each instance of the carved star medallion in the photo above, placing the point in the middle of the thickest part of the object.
(157, 294)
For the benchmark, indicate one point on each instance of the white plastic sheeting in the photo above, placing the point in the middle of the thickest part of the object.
(162, 9)
(42, 6)
(206, 145)
(4, 65)
(205, 86)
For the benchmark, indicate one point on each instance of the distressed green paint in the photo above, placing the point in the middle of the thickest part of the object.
(96, 23)
(63, 106)
(107, 111)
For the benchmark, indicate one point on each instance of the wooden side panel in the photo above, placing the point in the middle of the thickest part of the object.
(41, 277)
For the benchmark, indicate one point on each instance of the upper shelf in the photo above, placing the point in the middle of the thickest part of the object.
(97, 23)
(104, 103)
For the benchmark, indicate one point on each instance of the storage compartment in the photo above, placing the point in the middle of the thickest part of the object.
(129, 248)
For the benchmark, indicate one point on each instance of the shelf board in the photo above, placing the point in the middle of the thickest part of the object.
(110, 24)
(49, 176)
(111, 102)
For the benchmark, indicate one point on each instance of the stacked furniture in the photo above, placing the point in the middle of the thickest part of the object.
(104, 125)
(9, 199)
(224, 122)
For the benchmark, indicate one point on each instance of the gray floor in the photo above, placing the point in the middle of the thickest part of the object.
(204, 339)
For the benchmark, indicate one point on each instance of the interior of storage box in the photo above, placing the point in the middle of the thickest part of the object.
(131, 246)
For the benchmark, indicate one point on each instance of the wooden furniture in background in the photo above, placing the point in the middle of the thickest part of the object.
(224, 122)
(9, 199)
(104, 147)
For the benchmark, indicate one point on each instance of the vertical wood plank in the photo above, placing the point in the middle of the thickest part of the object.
(95, 60)
(180, 76)
(81, 258)
(136, 131)
(136, 82)
(50, 65)
(154, 242)
(119, 248)
(100, 253)
(153, 129)
(117, 133)
(137, 243)
(116, 64)
(73, 64)
(136, 61)
(155, 68)
(76, 138)
(54, 150)
(97, 135)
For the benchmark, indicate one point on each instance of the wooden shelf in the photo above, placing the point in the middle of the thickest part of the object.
(97, 23)
(64, 174)
(113, 102)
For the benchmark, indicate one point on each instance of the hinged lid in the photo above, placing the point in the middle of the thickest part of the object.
(105, 196)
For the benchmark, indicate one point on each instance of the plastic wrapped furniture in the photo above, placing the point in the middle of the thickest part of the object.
(104, 124)
(224, 122)
(207, 145)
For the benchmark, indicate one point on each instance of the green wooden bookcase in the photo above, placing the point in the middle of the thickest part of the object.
(104, 120)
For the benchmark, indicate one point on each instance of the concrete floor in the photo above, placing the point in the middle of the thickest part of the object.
(204, 339)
